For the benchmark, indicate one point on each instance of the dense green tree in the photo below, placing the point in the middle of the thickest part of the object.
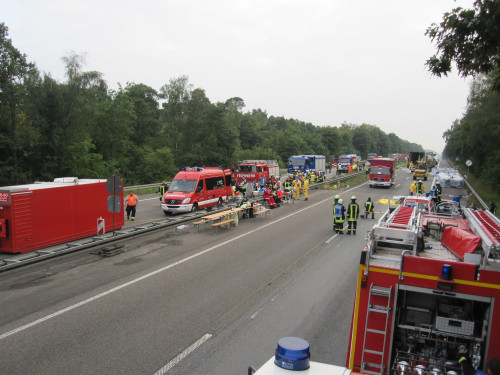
(16, 133)
(476, 135)
(177, 93)
(470, 38)
(81, 128)
(146, 120)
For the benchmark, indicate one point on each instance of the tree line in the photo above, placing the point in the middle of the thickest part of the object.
(470, 38)
(83, 128)
(476, 135)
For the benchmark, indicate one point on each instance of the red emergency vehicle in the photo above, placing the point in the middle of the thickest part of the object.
(253, 170)
(382, 172)
(347, 163)
(196, 188)
(428, 286)
(43, 214)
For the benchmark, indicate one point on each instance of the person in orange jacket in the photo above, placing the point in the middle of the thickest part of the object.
(131, 201)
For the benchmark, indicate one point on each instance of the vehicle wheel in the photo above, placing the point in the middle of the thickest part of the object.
(425, 178)
(194, 208)
(414, 178)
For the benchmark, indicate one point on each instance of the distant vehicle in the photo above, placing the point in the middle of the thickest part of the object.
(253, 170)
(371, 156)
(196, 188)
(382, 171)
(347, 163)
(303, 163)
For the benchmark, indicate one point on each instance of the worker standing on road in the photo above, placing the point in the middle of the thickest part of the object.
(338, 217)
(413, 188)
(369, 207)
(352, 216)
(162, 189)
(306, 188)
(298, 186)
(420, 188)
(131, 201)
(439, 192)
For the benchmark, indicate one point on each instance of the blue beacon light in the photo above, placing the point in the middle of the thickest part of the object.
(447, 272)
(292, 353)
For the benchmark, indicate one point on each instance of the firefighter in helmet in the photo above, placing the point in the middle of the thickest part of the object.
(369, 207)
(338, 216)
(420, 188)
(439, 192)
(352, 216)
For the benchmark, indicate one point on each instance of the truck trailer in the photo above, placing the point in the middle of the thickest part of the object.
(43, 214)
(303, 163)
(414, 158)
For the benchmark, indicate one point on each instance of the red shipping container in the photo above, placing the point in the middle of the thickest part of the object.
(44, 214)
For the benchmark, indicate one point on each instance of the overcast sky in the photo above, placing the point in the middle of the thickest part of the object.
(320, 61)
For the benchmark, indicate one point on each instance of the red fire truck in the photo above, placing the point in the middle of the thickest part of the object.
(428, 288)
(382, 171)
(253, 170)
(428, 285)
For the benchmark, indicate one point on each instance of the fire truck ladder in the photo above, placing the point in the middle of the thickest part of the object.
(487, 226)
(376, 309)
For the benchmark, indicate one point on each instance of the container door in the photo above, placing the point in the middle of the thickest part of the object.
(3, 228)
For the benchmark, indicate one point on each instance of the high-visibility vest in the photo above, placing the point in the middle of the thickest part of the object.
(438, 191)
(353, 211)
(131, 200)
(420, 188)
(337, 211)
(369, 206)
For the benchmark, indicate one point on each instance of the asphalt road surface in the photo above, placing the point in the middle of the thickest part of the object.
(192, 303)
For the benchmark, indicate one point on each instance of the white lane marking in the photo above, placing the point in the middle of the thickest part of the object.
(332, 238)
(398, 185)
(183, 355)
(143, 277)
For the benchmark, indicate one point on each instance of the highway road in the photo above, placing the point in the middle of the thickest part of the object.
(189, 302)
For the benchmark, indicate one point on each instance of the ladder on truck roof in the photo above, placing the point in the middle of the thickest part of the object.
(487, 226)
(376, 350)
(397, 231)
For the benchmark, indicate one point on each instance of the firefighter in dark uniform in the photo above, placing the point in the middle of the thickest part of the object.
(369, 207)
(352, 216)
(338, 216)
(439, 192)
(420, 188)
(162, 189)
